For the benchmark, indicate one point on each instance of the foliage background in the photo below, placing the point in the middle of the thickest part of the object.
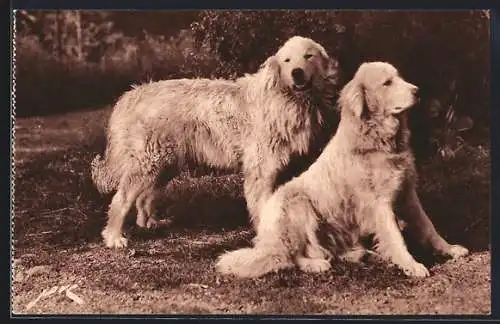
(68, 60)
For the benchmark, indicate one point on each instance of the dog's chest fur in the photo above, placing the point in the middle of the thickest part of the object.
(376, 174)
(292, 122)
(384, 174)
(351, 221)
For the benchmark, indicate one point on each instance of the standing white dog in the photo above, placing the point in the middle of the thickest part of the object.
(256, 124)
(348, 193)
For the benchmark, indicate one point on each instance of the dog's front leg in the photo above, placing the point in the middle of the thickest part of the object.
(420, 227)
(261, 167)
(390, 243)
(258, 187)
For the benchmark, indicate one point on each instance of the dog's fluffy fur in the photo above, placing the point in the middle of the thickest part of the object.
(256, 123)
(348, 193)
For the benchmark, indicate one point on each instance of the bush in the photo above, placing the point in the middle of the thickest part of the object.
(47, 84)
(447, 54)
(430, 48)
(434, 50)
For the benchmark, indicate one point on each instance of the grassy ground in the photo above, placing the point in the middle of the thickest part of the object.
(59, 215)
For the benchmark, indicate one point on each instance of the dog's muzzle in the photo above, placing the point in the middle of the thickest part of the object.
(416, 101)
(299, 80)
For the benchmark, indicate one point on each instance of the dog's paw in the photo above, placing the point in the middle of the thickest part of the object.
(450, 252)
(113, 240)
(146, 222)
(116, 242)
(415, 269)
(313, 265)
(355, 255)
(457, 251)
(140, 221)
(152, 223)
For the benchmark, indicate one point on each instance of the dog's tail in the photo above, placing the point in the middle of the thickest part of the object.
(279, 240)
(102, 176)
(253, 262)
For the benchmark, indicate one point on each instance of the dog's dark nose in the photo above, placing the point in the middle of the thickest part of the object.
(298, 76)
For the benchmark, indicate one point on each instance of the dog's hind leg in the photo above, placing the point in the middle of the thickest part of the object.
(145, 208)
(420, 228)
(129, 189)
(390, 243)
(139, 205)
(146, 202)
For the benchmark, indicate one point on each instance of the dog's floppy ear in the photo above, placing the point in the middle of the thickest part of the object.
(332, 69)
(331, 65)
(269, 72)
(267, 78)
(352, 99)
(267, 62)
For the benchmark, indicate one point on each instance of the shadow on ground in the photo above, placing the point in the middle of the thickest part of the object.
(65, 204)
(54, 193)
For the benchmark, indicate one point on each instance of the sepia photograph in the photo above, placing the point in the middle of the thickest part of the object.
(250, 162)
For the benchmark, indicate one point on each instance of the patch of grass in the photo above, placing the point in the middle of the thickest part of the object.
(59, 215)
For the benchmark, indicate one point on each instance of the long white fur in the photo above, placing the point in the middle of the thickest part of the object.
(347, 193)
(255, 124)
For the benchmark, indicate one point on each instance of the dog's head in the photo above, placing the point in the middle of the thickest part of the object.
(299, 65)
(377, 90)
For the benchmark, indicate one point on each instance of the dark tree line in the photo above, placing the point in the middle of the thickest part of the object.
(76, 59)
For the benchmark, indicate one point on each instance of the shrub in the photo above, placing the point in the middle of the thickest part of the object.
(106, 67)
(430, 48)
(46, 85)
(447, 54)
(60, 69)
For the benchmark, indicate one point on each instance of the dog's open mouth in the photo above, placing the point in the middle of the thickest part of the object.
(303, 86)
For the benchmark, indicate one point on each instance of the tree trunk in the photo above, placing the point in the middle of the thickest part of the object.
(78, 27)
(59, 50)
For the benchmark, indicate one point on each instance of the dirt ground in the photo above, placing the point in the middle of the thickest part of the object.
(58, 217)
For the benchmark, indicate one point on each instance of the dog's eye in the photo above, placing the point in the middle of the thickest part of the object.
(308, 56)
(287, 60)
(388, 82)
